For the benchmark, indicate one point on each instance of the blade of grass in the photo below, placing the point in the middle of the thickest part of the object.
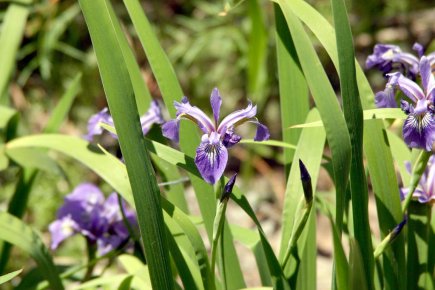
(7, 277)
(120, 97)
(293, 89)
(63, 107)
(15, 232)
(354, 119)
(10, 38)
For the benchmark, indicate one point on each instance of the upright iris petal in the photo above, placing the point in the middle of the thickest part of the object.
(212, 154)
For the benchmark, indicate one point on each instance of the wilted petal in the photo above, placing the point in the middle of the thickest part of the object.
(62, 229)
(171, 130)
(216, 102)
(236, 118)
(419, 131)
(185, 110)
(211, 157)
(94, 127)
(153, 116)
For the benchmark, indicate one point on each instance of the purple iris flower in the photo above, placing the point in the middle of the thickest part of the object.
(212, 155)
(386, 56)
(152, 116)
(425, 191)
(419, 126)
(86, 212)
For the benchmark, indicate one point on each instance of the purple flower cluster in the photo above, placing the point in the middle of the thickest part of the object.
(100, 221)
(212, 155)
(152, 116)
(425, 191)
(419, 126)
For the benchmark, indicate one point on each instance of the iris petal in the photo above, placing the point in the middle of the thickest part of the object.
(211, 158)
(419, 131)
(386, 98)
(236, 118)
(216, 102)
(171, 130)
(187, 111)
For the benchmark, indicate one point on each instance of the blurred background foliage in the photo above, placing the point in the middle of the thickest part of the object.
(232, 50)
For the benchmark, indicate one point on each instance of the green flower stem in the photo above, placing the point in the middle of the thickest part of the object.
(218, 226)
(417, 171)
(297, 231)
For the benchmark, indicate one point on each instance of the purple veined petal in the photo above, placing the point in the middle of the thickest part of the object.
(211, 157)
(386, 98)
(431, 58)
(236, 118)
(382, 56)
(427, 78)
(108, 243)
(407, 86)
(421, 195)
(421, 107)
(418, 48)
(94, 127)
(419, 131)
(187, 111)
(406, 107)
(62, 229)
(171, 130)
(152, 116)
(216, 102)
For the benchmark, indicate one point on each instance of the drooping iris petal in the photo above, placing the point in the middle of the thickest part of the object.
(87, 194)
(419, 131)
(185, 110)
(62, 229)
(216, 102)
(94, 127)
(262, 132)
(386, 98)
(151, 117)
(171, 130)
(211, 158)
(236, 118)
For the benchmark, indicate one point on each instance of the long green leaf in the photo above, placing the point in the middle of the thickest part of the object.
(309, 150)
(293, 89)
(122, 104)
(10, 38)
(354, 118)
(7, 277)
(63, 107)
(15, 232)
